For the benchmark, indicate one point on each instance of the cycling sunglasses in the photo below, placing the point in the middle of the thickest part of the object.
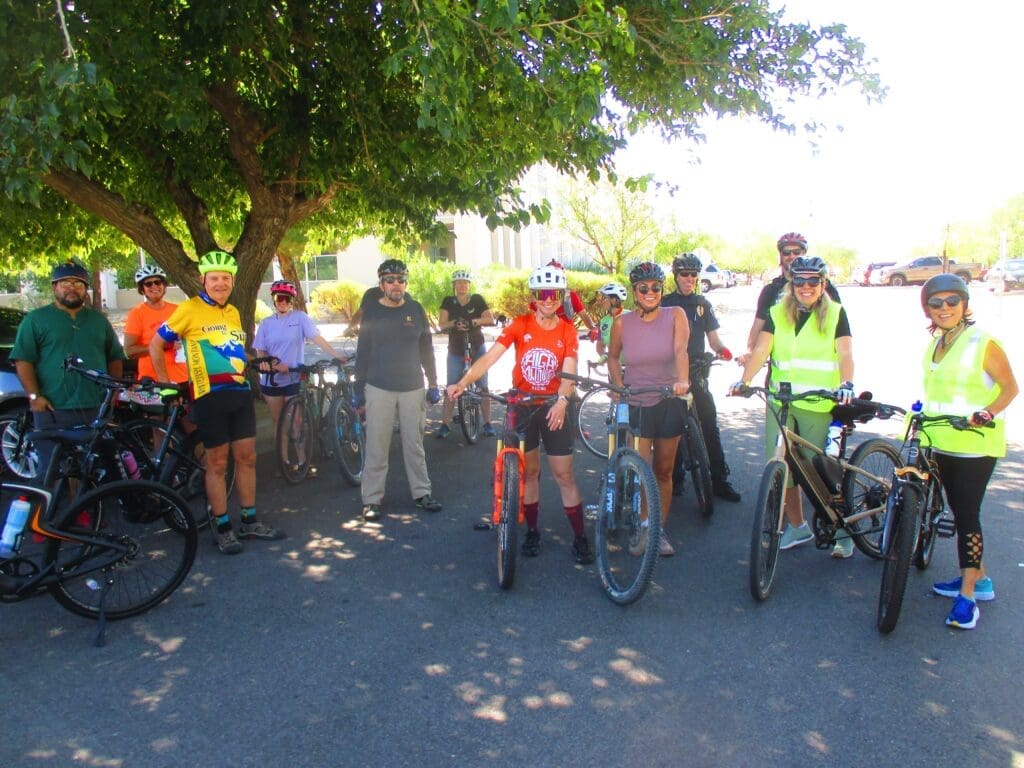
(392, 279)
(792, 251)
(686, 273)
(936, 302)
(151, 283)
(814, 282)
(547, 294)
(643, 289)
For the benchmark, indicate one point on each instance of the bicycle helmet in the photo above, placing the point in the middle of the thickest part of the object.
(808, 265)
(547, 277)
(392, 267)
(941, 284)
(150, 270)
(613, 290)
(217, 261)
(556, 264)
(69, 268)
(792, 238)
(686, 262)
(285, 287)
(646, 270)
(462, 274)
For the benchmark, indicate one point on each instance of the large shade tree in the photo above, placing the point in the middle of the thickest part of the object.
(189, 125)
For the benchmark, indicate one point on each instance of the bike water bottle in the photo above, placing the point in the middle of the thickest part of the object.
(834, 439)
(131, 467)
(17, 516)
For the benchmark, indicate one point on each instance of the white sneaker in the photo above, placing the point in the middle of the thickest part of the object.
(794, 537)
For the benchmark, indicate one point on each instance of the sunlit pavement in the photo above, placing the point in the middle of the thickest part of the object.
(390, 644)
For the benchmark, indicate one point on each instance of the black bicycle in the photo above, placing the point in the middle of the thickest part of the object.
(469, 412)
(304, 427)
(693, 451)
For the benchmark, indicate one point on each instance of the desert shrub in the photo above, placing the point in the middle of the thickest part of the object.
(338, 300)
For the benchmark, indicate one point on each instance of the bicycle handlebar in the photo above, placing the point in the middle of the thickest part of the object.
(587, 383)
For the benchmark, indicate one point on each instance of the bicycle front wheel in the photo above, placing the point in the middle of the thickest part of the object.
(899, 542)
(767, 533)
(347, 439)
(700, 467)
(931, 512)
(294, 440)
(150, 545)
(628, 531)
(868, 493)
(469, 418)
(593, 418)
(508, 524)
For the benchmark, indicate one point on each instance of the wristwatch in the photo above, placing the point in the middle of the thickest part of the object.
(33, 397)
(563, 397)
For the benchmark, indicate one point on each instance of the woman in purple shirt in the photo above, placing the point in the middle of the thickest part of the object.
(651, 341)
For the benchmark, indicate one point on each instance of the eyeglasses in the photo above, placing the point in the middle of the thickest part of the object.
(644, 289)
(72, 282)
(814, 282)
(936, 302)
(686, 273)
(151, 283)
(548, 294)
(392, 279)
(283, 297)
(792, 251)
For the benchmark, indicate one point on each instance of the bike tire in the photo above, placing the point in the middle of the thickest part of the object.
(19, 454)
(931, 511)
(900, 543)
(294, 441)
(153, 520)
(348, 440)
(879, 457)
(593, 418)
(508, 523)
(700, 467)
(767, 532)
(627, 549)
(470, 418)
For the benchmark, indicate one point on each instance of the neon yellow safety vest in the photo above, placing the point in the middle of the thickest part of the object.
(958, 386)
(808, 359)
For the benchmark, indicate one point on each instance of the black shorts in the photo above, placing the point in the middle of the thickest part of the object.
(286, 391)
(557, 442)
(224, 416)
(662, 420)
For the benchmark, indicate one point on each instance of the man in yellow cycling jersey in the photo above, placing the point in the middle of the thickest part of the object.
(211, 331)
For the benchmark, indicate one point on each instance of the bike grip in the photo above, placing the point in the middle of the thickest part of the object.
(725, 354)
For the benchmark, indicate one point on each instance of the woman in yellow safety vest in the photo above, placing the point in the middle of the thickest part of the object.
(966, 373)
(807, 336)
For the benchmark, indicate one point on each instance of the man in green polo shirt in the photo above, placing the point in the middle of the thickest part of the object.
(46, 336)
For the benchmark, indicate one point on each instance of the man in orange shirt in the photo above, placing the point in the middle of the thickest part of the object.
(142, 321)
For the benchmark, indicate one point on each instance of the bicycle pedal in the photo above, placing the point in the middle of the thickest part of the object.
(946, 527)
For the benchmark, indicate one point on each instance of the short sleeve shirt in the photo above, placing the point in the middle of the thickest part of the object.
(142, 322)
(471, 310)
(284, 337)
(540, 353)
(701, 316)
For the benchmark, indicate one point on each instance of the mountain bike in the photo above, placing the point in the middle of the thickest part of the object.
(593, 414)
(627, 531)
(693, 450)
(345, 430)
(303, 428)
(915, 513)
(468, 412)
(848, 497)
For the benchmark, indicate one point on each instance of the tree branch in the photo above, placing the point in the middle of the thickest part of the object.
(192, 209)
(244, 135)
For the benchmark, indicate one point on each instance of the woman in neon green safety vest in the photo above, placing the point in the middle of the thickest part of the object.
(806, 338)
(966, 373)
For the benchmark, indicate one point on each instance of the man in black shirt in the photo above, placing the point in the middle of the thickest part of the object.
(395, 351)
(686, 270)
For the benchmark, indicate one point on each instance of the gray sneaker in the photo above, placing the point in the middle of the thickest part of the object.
(794, 537)
(228, 543)
(428, 503)
(843, 546)
(259, 530)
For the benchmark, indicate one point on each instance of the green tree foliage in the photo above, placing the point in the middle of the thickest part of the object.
(193, 125)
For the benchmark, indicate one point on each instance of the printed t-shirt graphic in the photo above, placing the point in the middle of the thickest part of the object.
(540, 353)
(214, 344)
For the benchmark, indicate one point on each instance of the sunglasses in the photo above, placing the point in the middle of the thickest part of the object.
(643, 290)
(392, 279)
(792, 251)
(547, 294)
(283, 297)
(936, 302)
(151, 283)
(686, 273)
(71, 282)
(814, 282)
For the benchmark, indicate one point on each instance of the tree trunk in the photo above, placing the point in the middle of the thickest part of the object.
(290, 273)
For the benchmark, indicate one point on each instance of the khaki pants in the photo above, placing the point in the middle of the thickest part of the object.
(382, 407)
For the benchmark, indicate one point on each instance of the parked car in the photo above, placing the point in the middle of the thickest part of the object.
(13, 401)
(919, 270)
(1006, 275)
(730, 278)
(713, 277)
(862, 273)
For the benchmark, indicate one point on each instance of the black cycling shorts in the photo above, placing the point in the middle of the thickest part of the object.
(662, 420)
(225, 416)
(557, 442)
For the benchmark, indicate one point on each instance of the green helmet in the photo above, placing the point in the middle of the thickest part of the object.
(217, 261)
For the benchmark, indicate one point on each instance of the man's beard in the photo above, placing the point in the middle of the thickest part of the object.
(71, 301)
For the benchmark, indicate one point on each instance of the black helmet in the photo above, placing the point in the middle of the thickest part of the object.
(392, 267)
(646, 270)
(808, 265)
(941, 284)
(69, 268)
(686, 262)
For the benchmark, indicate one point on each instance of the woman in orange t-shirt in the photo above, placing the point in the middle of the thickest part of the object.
(142, 321)
(546, 345)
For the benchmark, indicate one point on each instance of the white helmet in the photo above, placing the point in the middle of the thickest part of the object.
(547, 277)
(150, 270)
(461, 274)
(613, 290)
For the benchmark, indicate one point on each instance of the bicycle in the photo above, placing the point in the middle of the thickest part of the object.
(627, 531)
(303, 428)
(345, 430)
(693, 450)
(915, 513)
(468, 408)
(848, 497)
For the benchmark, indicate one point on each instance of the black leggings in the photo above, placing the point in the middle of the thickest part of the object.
(965, 481)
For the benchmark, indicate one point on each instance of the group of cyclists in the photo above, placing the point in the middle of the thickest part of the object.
(800, 330)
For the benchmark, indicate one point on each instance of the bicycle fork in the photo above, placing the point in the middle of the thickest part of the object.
(499, 484)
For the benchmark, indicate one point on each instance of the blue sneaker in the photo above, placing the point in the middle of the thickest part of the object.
(443, 431)
(794, 537)
(964, 615)
(983, 589)
(489, 430)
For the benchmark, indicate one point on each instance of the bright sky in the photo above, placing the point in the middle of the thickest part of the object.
(944, 146)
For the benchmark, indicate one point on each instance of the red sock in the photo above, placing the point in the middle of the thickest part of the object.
(531, 512)
(575, 515)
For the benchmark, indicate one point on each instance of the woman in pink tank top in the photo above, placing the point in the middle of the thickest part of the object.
(652, 342)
